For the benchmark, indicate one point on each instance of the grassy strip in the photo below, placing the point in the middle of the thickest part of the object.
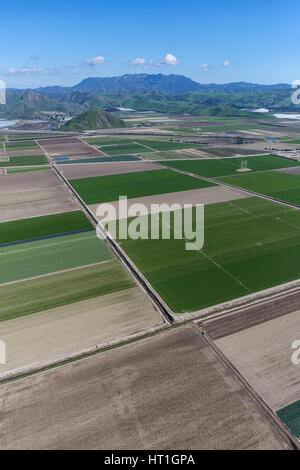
(24, 161)
(26, 170)
(21, 145)
(43, 226)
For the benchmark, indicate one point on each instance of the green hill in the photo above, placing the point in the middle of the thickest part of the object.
(93, 119)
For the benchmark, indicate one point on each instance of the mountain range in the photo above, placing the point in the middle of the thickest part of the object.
(171, 84)
(143, 92)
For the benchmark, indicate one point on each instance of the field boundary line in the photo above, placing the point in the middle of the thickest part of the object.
(220, 183)
(252, 392)
(84, 353)
(55, 235)
(57, 272)
(121, 255)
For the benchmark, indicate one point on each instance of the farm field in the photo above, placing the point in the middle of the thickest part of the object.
(124, 149)
(140, 378)
(118, 158)
(31, 136)
(33, 194)
(24, 152)
(25, 160)
(230, 152)
(55, 290)
(68, 146)
(167, 154)
(21, 145)
(290, 415)
(106, 140)
(137, 146)
(50, 255)
(282, 186)
(36, 227)
(250, 245)
(104, 169)
(24, 170)
(209, 195)
(161, 145)
(253, 351)
(230, 166)
(70, 329)
(290, 141)
(108, 188)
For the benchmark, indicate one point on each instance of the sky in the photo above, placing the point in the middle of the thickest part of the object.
(63, 42)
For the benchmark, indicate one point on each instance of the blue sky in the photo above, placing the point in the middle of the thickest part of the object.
(62, 42)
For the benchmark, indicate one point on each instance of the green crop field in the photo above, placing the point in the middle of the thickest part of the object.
(25, 170)
(229, 166)
(290, 416)
(144, 183)
(164, 155)
(282, 186)
(51, 255)
(124, 149)
(21, 145)
(42, 226)
(166, 145)
(43, 293)
(24, 161)
(250, 245)
(290, 141)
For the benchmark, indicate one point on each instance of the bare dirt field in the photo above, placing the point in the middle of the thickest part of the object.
(208, 195)
(62, 332)
(262, 354)
(68, 146)
(196, 153)
(169, 391)
(103, 169)
(30, 194)
(246, 317)
(22, 153)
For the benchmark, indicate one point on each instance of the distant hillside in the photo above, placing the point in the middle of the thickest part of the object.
(28, 104)
(149, 92)
(93, 119)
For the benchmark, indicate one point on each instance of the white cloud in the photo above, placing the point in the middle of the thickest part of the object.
(95, 60)
(139, 61)
(226, 63)
(169, 59)
(204, 67)
(25, 71)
